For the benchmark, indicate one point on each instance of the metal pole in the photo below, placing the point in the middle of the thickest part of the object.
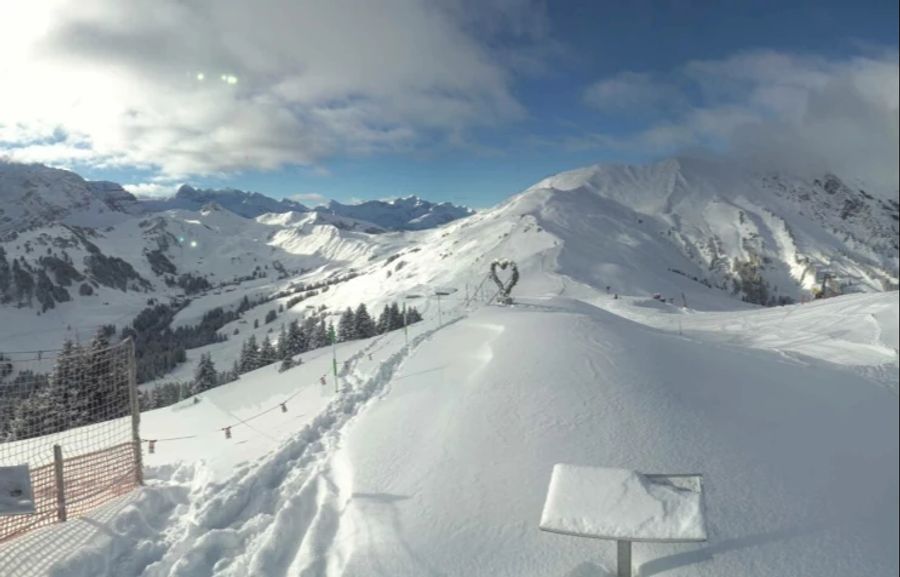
(623, 558)
(135, 415)
(60, 484)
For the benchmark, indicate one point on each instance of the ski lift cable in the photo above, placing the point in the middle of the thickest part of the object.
(240, 421)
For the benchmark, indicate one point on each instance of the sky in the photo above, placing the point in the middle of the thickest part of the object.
(467, 101)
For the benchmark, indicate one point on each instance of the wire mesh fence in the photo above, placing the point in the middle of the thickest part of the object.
(71, 416)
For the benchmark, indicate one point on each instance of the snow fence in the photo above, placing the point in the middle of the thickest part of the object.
(72, 418)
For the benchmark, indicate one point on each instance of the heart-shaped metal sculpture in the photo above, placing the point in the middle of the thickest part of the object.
(505, 287)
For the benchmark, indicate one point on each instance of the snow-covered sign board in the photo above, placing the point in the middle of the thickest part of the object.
(15, 491)
(624, 505)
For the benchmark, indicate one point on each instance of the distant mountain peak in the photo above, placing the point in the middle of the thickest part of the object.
(35, 195)
(403, 213)
(245, 204)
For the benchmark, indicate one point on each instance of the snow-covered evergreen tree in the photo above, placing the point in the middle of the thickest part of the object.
(296, 338)
(250, 355)
(363, 323)
(384, 320)
(282, 346)
(319, 337)
(205, 376)
(106, 381)
(396, 317)
(346, 326)
(413, 315)
(69, 379)
(42, 413)
(267, 352)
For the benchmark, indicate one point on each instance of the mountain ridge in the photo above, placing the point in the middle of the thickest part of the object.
(705, 236)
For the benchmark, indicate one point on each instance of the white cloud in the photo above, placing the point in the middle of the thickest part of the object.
(222, 85)
(633, 91)
(778, 110)
(310, 198)
(151, 189)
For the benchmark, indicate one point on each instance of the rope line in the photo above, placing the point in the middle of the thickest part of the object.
(218, 429)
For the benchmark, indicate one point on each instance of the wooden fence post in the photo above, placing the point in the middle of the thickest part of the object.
(60, 483)
(135, 415)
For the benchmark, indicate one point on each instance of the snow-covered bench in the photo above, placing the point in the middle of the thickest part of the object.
(625, 506)
(15, 491)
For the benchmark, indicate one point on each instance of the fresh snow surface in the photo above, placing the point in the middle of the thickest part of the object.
(610, 503)
(436, 460)
(15, 490)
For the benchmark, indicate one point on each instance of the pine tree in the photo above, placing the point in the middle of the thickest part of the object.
(250, 355)
(319, 337)
(396, 317)
(296, 338)
(205, 376)
(282, 347)
(286, 364)
(105, 381)
(309, 330)
(69, 379)
(346, 326)
(39, 414)
(267, 352)
(384, 320)
(363, 323)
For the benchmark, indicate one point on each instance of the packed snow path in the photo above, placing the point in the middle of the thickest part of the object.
(446, 473)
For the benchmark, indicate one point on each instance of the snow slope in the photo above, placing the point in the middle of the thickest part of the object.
(437, 462)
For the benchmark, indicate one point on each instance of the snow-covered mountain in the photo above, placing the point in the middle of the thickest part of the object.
(705, 232)
(766, 238)
(410, 213)
(32, 195)
(246, 204)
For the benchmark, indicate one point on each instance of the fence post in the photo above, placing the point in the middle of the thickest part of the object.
(60, 483)
(135, 415)
(623, 558)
